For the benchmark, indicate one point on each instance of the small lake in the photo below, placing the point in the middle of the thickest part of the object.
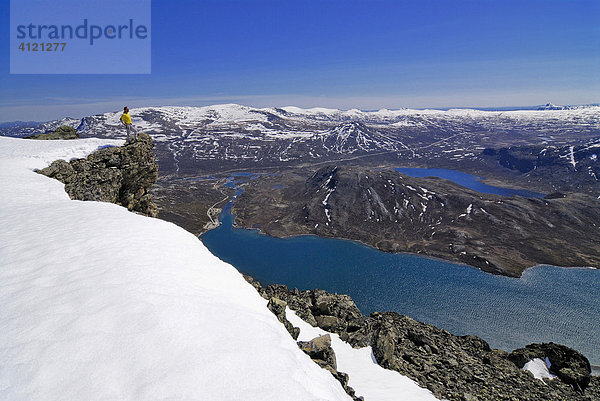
(467, 180)
(547, 304)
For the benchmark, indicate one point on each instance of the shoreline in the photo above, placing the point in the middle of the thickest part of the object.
(424, 255)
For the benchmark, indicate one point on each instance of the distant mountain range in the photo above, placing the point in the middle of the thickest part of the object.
(15, 124)
(559, 140)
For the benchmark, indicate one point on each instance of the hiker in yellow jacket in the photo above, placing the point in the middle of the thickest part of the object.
(126, 121)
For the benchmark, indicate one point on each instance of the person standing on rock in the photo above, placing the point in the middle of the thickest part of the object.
(126, 121)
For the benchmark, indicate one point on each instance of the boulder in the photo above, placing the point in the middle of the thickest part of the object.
(568, 364)
(319, 349)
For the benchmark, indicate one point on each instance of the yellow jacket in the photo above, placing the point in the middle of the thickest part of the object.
(126, 118)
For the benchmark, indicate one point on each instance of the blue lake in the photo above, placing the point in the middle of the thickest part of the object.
(546, 304)
(467, 180)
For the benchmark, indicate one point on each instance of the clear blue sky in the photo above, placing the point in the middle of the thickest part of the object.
(363, 54)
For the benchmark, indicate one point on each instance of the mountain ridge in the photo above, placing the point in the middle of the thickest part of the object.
(191, 140)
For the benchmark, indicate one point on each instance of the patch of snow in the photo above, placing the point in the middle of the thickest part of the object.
(539, 368)
(145, 126)
(100, 303)
(326, 205)
(366, 377)
(572, 157)
(329, 178)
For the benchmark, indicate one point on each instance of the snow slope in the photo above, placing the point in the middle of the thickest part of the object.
(98, 303)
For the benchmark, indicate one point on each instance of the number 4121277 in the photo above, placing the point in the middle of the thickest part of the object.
(42, 47)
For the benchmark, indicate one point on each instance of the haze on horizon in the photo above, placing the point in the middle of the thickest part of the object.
(350, 54)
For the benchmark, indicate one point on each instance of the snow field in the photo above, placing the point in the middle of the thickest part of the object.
(102, 304)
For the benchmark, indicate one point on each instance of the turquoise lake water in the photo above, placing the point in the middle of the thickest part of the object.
(547, 304)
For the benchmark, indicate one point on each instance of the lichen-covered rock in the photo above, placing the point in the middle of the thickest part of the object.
(320, 351)
(566, 363)
(300, 302)
(277, 306)
(121, 175)
(62, 132)
(457, 367)
(331, 312)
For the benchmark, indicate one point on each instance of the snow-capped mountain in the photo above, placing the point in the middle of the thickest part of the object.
(550, 106)
(237, 136)
(21, 129)
(354, 136)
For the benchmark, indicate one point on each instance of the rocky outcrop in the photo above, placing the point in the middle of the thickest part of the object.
(121, 175)
(566, 363)
(320, 351)
(452, 367)
(62, 132)
(277, 306)
(456, 367)
(331, 312)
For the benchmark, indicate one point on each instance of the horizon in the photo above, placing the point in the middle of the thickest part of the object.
(490, 109)
(343, 55)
